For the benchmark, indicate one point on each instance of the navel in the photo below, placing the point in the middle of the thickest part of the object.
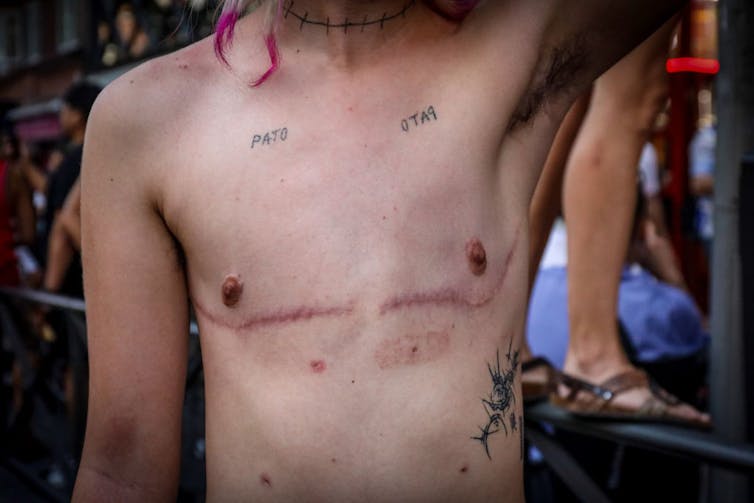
(476, 256)
(231, 290)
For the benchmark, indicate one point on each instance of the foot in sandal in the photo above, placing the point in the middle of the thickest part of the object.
(621, 392)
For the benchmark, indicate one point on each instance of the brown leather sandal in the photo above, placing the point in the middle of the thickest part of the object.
(590, 401)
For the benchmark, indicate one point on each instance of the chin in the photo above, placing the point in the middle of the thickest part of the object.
(455, 10)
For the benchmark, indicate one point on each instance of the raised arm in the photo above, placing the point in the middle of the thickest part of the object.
(607, 30)
(137, 313)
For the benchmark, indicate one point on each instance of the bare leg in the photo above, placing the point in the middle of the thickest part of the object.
(599, 201)
(546, 202)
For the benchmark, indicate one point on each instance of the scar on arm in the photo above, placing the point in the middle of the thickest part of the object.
(411, 349)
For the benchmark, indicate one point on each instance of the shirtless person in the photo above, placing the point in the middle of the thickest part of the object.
(352, 234)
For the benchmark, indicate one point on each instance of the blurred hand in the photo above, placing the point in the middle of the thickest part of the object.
(655, 253)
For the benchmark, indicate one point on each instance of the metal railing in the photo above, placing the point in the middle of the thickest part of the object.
(702, 447)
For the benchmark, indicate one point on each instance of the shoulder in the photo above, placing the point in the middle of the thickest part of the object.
(157, 89)
(141, 114)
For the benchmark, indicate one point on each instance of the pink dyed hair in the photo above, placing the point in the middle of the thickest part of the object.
(232, 10)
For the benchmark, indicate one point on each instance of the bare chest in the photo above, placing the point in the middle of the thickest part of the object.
(348, 201)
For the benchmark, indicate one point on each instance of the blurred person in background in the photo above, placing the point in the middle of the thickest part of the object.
(125, 40)
(63, 267)
(657, 252)
(702, 180)
(36, 175)
(64, 243)
(17, 220)
(651, 185)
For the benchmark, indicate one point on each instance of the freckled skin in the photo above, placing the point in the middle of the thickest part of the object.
(477, 256)
(231, 290)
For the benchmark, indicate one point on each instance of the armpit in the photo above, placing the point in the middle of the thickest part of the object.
(556, 73)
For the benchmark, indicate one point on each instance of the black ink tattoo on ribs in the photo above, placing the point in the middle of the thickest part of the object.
(499, 405)
(381, 20)
(418, 119)
(270, 137)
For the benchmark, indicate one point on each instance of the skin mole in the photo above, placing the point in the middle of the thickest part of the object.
(477, 256)
(231, 290)
(318, 366)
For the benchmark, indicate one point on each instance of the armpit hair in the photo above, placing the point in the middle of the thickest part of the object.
(556, 73)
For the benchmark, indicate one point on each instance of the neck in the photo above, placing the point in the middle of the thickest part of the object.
(342, 15)
(347, 30)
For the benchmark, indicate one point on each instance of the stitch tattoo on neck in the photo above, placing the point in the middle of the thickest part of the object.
(347, 23)
(499, 404)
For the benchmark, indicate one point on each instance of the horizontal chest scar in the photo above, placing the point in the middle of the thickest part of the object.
(442, 297)
(274, 318)
(454, 297)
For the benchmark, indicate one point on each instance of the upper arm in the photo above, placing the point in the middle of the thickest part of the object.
(137, 314)
(605, 31)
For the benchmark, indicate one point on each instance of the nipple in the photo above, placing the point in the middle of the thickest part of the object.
(231, 290)
(477, 256)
